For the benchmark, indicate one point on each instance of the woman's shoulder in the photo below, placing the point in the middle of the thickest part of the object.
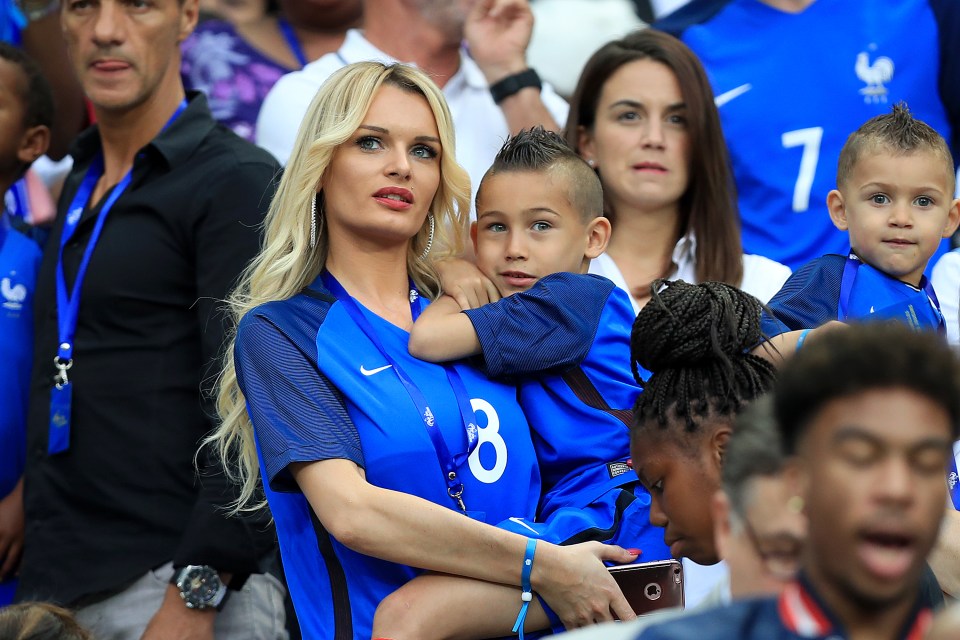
(763, 277)
(298, 317)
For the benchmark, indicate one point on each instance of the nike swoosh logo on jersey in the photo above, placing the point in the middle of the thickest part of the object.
(727, 96)
(370, 372)
(524, 524)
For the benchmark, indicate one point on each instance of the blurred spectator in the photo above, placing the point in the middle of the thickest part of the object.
(873, 491)
(158, 218)
(236, 64)
(236, 12)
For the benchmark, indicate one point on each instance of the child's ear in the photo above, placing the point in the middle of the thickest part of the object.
(585, 145)
(837, 209)
(598, 236)
(473, 236)
(33, 144)
(953, 219)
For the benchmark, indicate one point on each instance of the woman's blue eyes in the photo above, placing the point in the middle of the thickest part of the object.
(423, 151)
(371, 143)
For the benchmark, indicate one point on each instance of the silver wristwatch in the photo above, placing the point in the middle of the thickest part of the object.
(200, 587)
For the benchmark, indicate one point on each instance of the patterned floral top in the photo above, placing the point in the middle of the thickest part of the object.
(235, 76)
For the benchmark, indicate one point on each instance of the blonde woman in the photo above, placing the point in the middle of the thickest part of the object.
(376, 465)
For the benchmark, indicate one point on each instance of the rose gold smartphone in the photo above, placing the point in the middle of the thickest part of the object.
(650, 586)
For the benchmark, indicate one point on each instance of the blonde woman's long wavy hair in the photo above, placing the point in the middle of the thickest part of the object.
(287, 263)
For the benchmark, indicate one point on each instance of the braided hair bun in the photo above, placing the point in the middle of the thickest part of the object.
(695, 340)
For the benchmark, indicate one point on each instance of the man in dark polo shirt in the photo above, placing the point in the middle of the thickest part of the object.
(869, 414)
(157, 219)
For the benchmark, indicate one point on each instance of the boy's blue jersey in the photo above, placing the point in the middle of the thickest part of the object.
(812, 296)
(792, 87)
(567, 342)
(317, 388)
(19, 264)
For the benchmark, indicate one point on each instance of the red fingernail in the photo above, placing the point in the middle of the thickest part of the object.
(635, 552)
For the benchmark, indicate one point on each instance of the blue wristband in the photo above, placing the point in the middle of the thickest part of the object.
(527, 590)
(800, 340)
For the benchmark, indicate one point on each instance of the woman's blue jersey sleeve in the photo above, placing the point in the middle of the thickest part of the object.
(297, 414)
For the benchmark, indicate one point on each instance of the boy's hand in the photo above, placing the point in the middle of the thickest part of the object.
(465, 283)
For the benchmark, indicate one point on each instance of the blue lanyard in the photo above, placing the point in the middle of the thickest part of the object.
(953, 482)
(291, 37)
(850, 269)
(449, 463)
(68, 304)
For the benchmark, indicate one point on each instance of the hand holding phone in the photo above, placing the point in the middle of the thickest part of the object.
(650, 586)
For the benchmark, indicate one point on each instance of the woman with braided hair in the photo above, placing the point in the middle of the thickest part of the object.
(696, 341)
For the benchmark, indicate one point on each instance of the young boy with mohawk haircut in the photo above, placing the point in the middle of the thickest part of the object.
(895, 198)
(564, 337)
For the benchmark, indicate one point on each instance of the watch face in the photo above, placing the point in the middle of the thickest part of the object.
(199, 586)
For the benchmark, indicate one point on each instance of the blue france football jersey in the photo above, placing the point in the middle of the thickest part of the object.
(19, 263)
(567, 342)
(811, 297)
(318, 388)
(792, 87)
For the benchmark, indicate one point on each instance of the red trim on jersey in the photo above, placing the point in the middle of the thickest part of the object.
(801, 614)
(921, 625)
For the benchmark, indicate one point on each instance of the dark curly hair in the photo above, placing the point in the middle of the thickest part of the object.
(696, 342)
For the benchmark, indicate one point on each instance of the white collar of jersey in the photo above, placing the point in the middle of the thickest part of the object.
(685, 259)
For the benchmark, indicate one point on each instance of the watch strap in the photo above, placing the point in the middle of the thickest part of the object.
(503, 89)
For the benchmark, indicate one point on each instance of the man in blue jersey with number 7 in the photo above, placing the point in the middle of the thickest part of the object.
(793, 77)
